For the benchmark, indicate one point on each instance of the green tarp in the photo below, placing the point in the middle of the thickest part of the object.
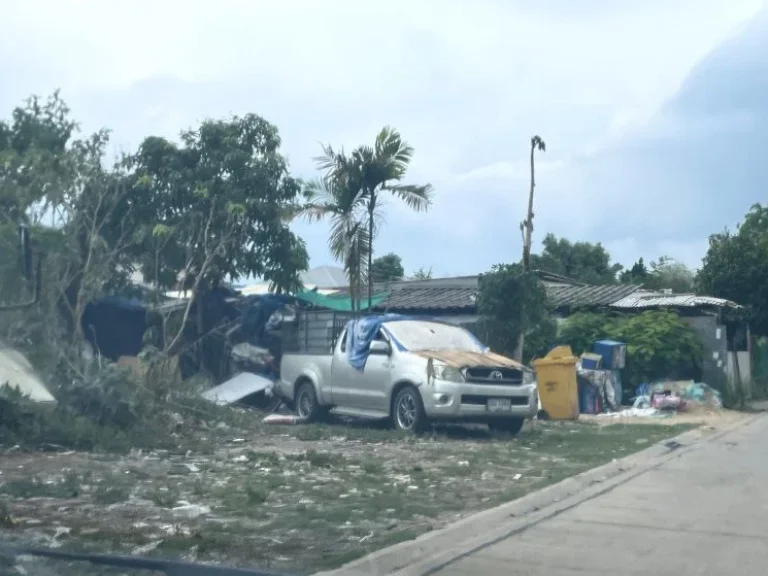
(340, 303)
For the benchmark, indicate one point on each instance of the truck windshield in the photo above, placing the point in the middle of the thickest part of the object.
(421, 335)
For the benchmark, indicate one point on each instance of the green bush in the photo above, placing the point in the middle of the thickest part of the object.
(511, 300)
(659, 343)
(110, 397)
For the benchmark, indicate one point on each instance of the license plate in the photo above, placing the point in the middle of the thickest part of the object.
(499, 405)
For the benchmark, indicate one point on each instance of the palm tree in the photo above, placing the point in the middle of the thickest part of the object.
(339, 196)
(375, 167)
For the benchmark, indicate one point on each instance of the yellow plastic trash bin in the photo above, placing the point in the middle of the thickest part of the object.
(556, 383)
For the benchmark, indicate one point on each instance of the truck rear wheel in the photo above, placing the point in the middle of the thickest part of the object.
(306, 402)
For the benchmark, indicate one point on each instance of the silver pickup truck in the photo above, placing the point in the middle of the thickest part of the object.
(416, 371)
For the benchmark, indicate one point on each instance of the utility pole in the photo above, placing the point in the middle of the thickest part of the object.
(526, 229)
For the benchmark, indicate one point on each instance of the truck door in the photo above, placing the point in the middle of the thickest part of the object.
(367, 390)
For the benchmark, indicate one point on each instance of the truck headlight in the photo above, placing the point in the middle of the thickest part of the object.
(447, 373)
(529, 377)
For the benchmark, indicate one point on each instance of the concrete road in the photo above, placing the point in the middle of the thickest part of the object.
(704, 512)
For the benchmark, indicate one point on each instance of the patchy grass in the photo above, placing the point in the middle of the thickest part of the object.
(279, 501)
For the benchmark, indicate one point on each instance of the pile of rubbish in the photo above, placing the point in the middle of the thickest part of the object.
(665, 398)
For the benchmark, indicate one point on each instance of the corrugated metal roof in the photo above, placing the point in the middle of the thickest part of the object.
(560, 295)
(430, 299)
(563, 295)
(649, 299)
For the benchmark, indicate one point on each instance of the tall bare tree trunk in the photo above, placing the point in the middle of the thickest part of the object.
(527, 229)
(528, 224)
(371, 208)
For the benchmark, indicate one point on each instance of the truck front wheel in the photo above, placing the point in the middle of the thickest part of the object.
(408, 410)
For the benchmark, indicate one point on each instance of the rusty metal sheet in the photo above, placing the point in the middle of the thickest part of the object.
(468, 359)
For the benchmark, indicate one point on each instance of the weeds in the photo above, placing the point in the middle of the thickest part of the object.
(6, 519)
(66, 487)
(165, 497)
(110, 494)
(256, 494)
(264, 458)
(317, 459)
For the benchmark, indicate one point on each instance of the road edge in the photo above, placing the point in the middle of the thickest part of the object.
(431, 550)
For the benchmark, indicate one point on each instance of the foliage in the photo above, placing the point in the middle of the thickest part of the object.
(540, 338)
(372, 170)
(214, 207)
(659, 343)
(109, 397)
(511, 300)
(31, 424)
(422, 274)
(387, 268)
(735, 268)
(582, 261)
(668, 273)
(35, 167)
(75, 206)
(580, 330)
(664, 273)
(336, 197)
(638, 274)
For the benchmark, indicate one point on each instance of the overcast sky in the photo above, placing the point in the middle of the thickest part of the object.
(654, 112)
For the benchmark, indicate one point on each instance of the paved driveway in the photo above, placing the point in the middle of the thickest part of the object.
(705, 512)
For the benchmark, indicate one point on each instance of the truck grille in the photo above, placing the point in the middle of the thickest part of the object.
(477, 400)
(503, 376)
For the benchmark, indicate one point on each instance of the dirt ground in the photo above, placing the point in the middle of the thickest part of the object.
(291, 498)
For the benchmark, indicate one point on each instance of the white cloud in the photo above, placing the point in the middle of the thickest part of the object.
(466, 83)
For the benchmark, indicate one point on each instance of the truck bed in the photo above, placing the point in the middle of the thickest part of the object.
(315, 367)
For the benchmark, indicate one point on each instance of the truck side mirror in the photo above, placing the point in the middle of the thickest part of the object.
(379, 347)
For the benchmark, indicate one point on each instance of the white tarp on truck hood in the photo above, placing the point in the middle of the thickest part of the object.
(17, 372)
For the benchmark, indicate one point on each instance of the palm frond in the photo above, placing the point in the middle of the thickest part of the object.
(417, 197)
(537, 142)
(393, 151)
(334, 164)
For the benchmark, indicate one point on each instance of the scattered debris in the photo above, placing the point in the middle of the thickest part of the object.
(191, 511)
(238, 388)
(17, 372)
(148, 547)
(283, 419)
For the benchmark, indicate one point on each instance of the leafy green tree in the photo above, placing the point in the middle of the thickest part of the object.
(423, 274)
(582, 261)
(512, 301)
(374, 170)
(215, 207)
(75, 205)
(638, 274)
(659, 343)
(387, 268)
(668, 273)
(735, 267)
(37, 170)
